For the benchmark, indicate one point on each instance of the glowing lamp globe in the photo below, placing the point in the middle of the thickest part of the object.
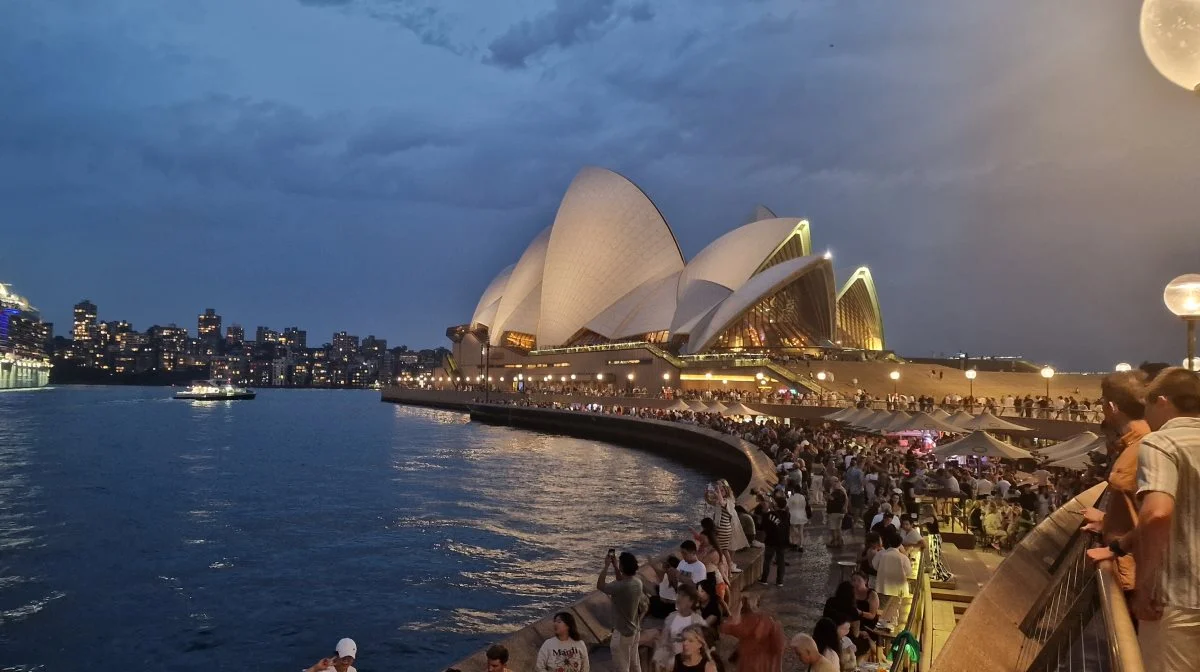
(822, 375)
(894, 375)
(1124, 367)
(1195, 364)
(1170, 32)
(1182, 294)
(971, 373)
(1047, 372)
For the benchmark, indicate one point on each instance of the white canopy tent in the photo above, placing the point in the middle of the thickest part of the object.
(677, 405)
(1100, 444)
(1071, 446)
(698, 406)
(839, 414)
(874, 421)
(959, 418)
(738, 408)
(716, 406)
(859, 415)
(987, 421)
(939, 414)
(981, 444)
(1081, 461)
(926, 422)
(899, 418)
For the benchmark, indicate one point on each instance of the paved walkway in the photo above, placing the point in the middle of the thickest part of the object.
(808, 581)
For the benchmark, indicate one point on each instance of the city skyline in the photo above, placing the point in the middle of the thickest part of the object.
(361, 163)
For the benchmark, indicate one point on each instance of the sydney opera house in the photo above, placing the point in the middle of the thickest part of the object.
(605, 290)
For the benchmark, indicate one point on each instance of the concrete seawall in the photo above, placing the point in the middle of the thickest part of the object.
(1054, 430)
(740, 462)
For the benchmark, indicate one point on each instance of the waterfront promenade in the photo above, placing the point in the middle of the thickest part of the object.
(811, 576)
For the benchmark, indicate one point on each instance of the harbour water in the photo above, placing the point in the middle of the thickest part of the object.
(140, 531)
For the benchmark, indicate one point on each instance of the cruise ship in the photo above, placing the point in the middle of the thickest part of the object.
(23, 359)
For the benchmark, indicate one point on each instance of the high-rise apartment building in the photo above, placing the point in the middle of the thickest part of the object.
(265, 335)
(345, 346)
(84, 327)
(208, 326)
(234, 335)
(295, 338)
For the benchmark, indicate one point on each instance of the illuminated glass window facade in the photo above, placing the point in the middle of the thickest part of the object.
(797, 316)
(859, 323)
(795, 246)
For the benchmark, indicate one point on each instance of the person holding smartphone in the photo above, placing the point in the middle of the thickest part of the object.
(342, 660)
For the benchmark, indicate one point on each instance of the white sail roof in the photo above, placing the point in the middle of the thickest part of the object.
(607, 239)
(523, 295)
(485, 310)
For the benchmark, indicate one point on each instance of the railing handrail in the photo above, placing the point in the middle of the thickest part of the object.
(918, 615)
(1125, 654)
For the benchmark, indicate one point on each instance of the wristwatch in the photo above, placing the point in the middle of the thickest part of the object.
(1115, 547)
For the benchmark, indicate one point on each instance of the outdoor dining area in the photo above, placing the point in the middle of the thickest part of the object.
(969, 440)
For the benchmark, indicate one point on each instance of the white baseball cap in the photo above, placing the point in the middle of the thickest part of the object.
(347, 647)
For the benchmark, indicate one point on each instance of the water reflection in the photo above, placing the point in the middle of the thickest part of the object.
(134, 527)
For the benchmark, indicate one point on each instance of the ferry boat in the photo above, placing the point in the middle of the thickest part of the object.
(23, 359)
(210, 390)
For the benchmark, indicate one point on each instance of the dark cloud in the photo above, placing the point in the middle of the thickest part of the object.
(1008, 200)
(568, 23)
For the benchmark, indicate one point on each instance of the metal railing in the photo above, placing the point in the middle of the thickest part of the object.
(1081, 621)
(919, 622)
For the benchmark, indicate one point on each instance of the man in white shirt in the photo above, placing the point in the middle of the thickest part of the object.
(1166, 595)
(1002, 487)
(910, 535)
(952, 485)
(1042, 476)
(690, 568)
(983, 488)
(892, 567)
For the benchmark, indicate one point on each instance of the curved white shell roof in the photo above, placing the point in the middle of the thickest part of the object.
(524, 282)
(485, 310)
(607, 239)
(731, 259)
(700, 297)
(610, 264)
(764, 284)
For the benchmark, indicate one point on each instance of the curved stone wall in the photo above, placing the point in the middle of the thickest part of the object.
(741, 463)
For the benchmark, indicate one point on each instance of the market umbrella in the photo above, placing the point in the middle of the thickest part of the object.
(988, 421)
(1081, 461)
(839, 414)
(716, 406)
(958, 418)
(899, 418)
(698, 406)
(981, 444)
(927, 422)
(872, 421)
(940, 414)
(739, 408)
(1071, 446)
(677, 405)
(858, 415)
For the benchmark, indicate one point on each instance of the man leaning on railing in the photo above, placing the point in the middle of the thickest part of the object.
(1164, 540)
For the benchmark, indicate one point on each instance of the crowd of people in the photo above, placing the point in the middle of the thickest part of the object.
(895, 498)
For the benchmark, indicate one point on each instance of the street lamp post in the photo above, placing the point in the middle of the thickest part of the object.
(629, 384)
(971, 373)
(1047, 373)
(487, 371)
(895, 376)
(1182, 296)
